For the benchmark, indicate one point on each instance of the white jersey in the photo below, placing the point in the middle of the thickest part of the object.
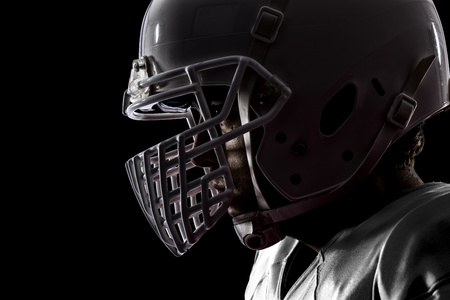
(401, 252)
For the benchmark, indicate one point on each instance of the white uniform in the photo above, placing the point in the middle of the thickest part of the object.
(401, 252)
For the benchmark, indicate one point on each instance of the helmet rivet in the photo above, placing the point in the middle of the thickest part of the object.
(299, 148)
(296, 179)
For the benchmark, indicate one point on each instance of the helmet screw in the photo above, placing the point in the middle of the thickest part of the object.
(299, 148)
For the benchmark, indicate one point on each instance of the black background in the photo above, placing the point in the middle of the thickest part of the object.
(79, 230)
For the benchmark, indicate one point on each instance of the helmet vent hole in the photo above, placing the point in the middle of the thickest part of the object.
(337, 110)
(378, 87)
(347, 155)
(281, 138)
(296, 179)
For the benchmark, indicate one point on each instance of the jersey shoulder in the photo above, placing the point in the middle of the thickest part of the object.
(415, 259)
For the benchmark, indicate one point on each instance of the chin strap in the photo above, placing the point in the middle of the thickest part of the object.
(256, 230)
(259, 230)
(266, 27)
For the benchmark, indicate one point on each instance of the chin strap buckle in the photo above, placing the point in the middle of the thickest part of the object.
(402, 110)
(256, 231)
(267, 24)
(404, 105)
(266, 27)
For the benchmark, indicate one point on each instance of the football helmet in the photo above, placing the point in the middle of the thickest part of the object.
(328, 85)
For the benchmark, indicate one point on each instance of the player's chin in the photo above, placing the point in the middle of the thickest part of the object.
(242, 204)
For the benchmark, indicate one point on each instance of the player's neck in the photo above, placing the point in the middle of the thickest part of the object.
(316, 228)
(393, 182)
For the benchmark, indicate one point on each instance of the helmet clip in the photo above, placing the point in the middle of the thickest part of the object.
(267, 24)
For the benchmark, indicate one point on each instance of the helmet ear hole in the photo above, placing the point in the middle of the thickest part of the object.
(337, 110)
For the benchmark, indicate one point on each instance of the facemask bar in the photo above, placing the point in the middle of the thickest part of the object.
(180, 203)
